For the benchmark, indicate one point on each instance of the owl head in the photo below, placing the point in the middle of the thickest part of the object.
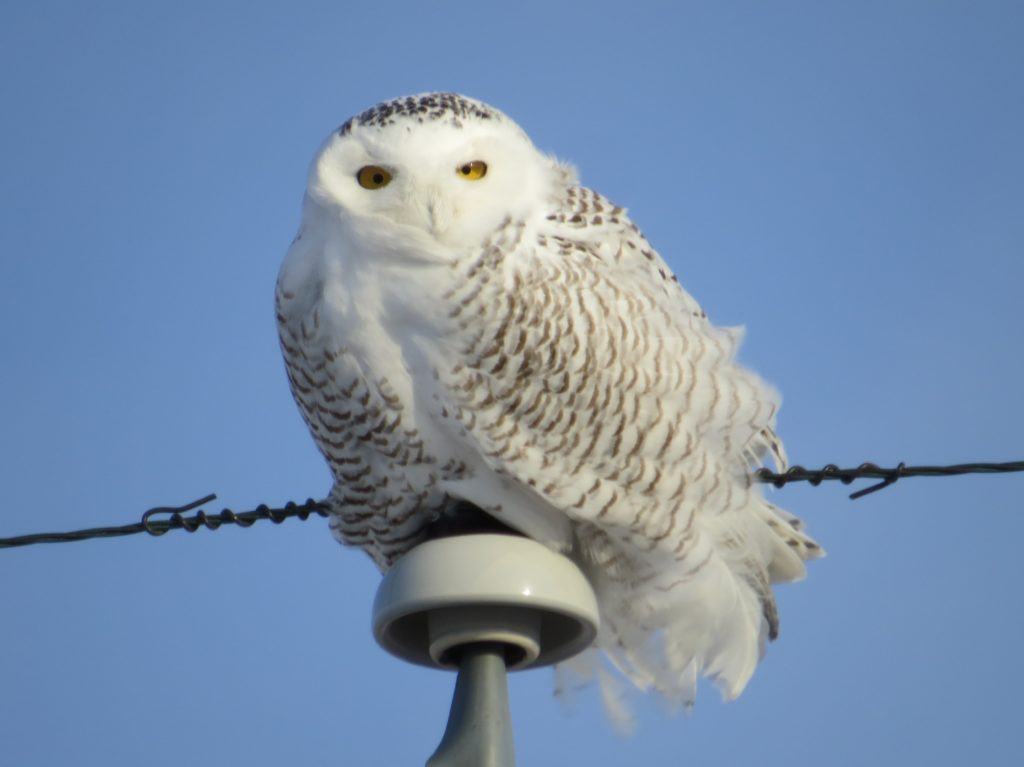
(433, 169)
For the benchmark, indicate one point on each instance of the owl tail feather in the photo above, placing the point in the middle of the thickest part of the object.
(663, 625)
(576, 674)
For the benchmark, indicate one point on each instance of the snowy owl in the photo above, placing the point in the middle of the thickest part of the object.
(463, 323)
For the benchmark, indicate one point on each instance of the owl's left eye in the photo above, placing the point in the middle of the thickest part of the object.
(472, 171)
(373, 177)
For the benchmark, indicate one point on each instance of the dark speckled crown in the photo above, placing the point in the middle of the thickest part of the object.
(422, 108)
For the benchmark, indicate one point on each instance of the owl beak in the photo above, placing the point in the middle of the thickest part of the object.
(439, 211)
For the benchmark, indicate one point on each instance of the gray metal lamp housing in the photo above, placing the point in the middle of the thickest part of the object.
(451, 592)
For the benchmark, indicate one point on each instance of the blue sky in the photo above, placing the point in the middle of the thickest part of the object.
(846, 180)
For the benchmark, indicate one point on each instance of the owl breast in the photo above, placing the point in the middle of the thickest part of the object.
(350, 342)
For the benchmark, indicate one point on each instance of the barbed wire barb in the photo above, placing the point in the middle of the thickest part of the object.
(176, 511)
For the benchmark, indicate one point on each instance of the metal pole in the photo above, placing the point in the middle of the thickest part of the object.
(479, 731)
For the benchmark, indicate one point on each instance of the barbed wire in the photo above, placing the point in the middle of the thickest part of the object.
(155, 526)
(888, 476)
(152, 523)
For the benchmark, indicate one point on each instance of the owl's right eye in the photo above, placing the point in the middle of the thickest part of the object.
(373, 177)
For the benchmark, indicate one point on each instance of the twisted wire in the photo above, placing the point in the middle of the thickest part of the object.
(154, 523)
(162, 519)
(888, 476)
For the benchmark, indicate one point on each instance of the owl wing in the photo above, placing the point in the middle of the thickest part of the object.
(602, 413)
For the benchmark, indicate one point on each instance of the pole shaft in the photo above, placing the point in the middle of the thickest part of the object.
(479, 731)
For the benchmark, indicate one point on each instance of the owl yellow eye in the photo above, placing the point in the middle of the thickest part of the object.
(472, 171)
(373, 177)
